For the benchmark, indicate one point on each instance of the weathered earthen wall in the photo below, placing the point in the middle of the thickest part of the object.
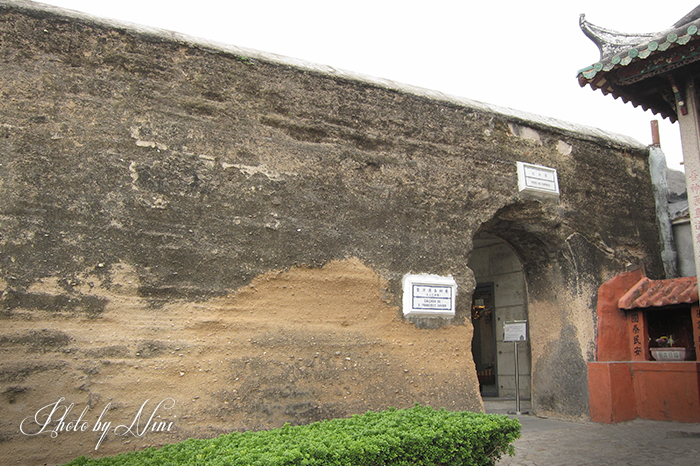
(156, 195)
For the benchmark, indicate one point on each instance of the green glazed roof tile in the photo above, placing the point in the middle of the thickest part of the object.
(589, 74)
(663, 47)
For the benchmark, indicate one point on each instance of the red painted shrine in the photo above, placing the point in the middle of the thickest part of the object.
(646, 350)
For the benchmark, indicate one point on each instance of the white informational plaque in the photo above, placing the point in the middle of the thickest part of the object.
(429, 295)
(537, 180)
(515, 331)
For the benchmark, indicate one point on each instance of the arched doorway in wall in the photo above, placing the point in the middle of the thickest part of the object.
(500, 296)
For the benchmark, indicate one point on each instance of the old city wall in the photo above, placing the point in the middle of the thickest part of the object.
(184, 220)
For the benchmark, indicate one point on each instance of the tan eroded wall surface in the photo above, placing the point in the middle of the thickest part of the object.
(293, 346)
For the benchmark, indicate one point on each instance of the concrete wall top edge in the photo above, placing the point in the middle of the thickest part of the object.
(526, 118)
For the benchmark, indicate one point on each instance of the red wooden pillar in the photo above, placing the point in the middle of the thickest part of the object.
(695, 313)
(638, 335)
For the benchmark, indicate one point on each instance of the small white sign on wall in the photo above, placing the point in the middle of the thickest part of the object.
(537, 180)
(429, 295)
(515, 331)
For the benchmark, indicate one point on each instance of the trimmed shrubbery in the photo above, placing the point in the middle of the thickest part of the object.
(416, 436)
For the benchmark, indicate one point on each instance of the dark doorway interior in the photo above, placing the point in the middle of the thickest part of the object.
(484, 341)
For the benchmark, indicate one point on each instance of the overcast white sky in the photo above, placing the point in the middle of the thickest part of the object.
(513, 53)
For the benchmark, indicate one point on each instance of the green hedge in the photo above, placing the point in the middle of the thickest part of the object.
(416, 436)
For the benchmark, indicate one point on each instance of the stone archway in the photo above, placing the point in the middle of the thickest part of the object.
(560, 275)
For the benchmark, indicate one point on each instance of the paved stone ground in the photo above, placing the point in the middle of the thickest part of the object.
(549, 442)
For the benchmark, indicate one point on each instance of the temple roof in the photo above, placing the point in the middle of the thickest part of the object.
(649, 293)
(636, 67)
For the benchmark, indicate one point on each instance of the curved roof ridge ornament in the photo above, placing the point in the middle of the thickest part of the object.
(633, 66)
(611, 42)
